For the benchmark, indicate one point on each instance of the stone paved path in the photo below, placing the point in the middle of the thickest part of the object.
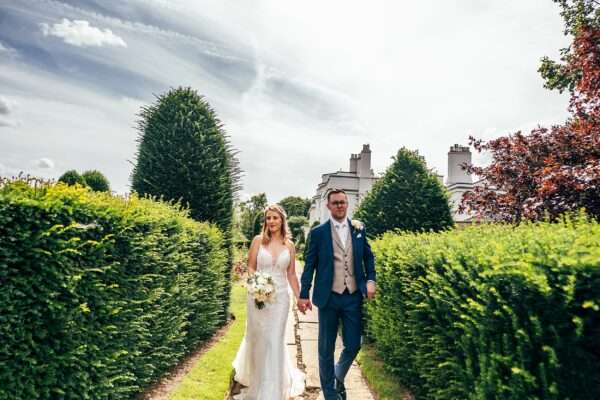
(306, 333)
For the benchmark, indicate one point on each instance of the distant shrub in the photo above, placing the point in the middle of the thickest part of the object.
(71, 178)
(96, 181)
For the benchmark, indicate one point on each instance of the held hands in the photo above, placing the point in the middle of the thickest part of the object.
(303, 305)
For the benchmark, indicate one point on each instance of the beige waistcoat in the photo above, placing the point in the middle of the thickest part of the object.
(343, 263)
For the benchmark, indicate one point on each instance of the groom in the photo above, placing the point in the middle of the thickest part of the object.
(345, 274)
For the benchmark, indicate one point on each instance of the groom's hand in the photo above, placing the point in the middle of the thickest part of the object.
(370, 290)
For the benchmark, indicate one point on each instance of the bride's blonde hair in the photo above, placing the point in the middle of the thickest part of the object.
(285, 230)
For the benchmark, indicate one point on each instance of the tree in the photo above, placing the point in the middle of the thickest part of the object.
(296, 224)
(408, 197)
(578, 15)
(184, 155)
(72, 177)
(295, 206)
(96, 181)
(257, 223)
(251, 218)
(550, 170)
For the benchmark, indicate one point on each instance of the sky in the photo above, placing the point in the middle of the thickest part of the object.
(299, 86)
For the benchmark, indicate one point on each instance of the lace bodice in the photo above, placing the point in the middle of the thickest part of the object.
(277, 267)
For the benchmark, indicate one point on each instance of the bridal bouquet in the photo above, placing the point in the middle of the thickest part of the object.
(262, 288)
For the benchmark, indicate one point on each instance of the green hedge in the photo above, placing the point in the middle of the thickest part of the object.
(491, 312)
(100, 295)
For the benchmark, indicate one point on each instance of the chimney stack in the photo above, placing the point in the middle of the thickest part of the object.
(353, 162)
(364, 161)
(457, 156)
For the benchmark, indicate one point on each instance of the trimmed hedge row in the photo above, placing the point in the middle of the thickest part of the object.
(100, 295)
(492, 311)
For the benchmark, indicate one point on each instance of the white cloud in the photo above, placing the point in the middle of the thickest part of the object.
(80, 33)
(6, 106)
(8, 123)
(7, 51)
(45, 163)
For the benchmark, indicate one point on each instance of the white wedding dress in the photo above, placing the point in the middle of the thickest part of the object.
(262, 363)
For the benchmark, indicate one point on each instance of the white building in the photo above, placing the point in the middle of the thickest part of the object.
(458, 181)
(360, 179)
(356, 182)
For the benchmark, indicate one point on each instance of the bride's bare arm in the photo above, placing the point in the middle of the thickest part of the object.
(252, 253)
(291, 272)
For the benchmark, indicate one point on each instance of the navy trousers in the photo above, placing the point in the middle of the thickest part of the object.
(347, 309)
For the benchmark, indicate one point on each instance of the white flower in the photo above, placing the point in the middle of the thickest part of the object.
(262, 288)
(356, 224)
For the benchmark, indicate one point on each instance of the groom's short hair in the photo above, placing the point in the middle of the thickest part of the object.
(335, 191)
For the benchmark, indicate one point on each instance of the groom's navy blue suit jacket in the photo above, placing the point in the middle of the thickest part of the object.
(318, 261)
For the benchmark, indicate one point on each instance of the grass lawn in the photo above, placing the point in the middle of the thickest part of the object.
(209, 378)
(381, 382)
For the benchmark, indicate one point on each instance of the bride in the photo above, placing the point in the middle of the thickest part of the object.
(262, 363)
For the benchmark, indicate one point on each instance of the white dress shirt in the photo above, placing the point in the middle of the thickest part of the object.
(342, 230)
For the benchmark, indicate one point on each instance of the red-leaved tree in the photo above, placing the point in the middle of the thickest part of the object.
(550, 170)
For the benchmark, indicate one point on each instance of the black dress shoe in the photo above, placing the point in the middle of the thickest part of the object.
(340, 389)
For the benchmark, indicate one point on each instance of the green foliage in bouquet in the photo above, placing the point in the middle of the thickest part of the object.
(100, 295)
(492, 311)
